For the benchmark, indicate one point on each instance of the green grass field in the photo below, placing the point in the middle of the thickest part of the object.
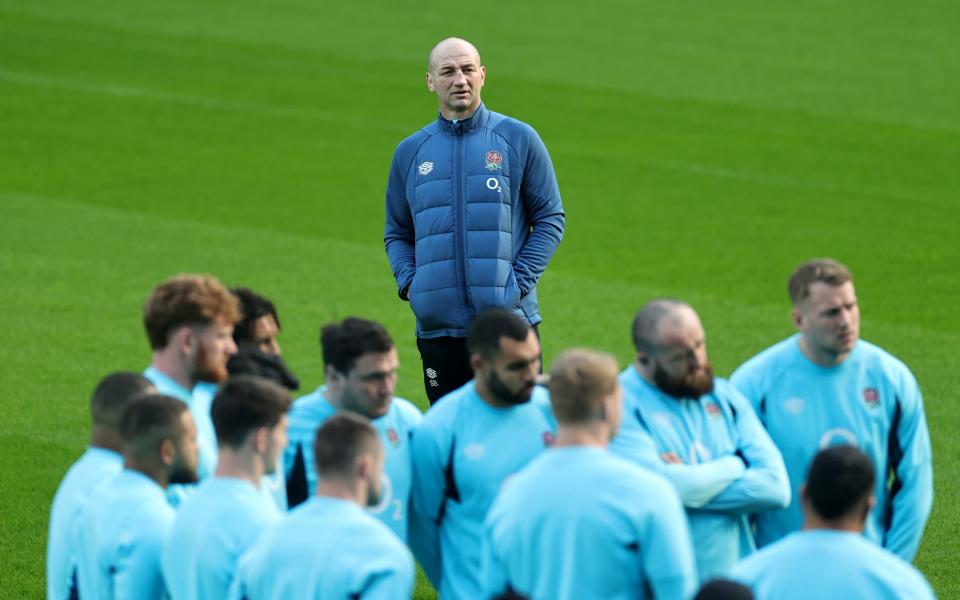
(703, 150)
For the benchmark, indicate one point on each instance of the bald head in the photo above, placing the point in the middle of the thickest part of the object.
(657, 319)
(456, 75)
(452, 47)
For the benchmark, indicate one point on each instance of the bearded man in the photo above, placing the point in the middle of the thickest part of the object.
(700, 433)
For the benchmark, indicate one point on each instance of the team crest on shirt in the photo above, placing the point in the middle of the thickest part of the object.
(494, 160)
(425, 168)
(713, 410)
(871, 397)
(548, 438)
(393, 437)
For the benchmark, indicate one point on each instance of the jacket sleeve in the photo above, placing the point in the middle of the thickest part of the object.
(540, 196)
(398, 235)
(431, 449)
(394, 580)
(910, 464)
(765, 484)
(696, 484)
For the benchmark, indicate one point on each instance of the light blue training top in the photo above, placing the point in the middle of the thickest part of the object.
(96, 467)
(120, 536)
(326, 548)
(580, 523)
(213, 527)
(730, 468)
(826, 563)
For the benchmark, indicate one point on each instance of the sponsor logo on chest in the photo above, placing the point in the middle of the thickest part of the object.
(393, 437)
(425, 168)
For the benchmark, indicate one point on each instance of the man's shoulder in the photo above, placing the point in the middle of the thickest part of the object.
(406, 412)
(310, 411)
(874, 355)
(766, 362)
(409, 145)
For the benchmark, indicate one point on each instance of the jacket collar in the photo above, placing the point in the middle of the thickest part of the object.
(463, 126)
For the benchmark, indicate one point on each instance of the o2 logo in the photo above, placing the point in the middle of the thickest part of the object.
(838, 436)
(387, 501)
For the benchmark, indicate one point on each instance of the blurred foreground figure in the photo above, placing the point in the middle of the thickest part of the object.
(125, 523)
(831, 558)
(99, 464)
(224, 516)
(579, 522)
(329, 547)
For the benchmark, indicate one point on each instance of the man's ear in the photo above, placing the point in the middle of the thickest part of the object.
(430, 84)
(364, 465)
(796, 317)
(332, 377)
(168, 451)
(483, 75)
(260, 437)
(476, 362)
(183, 339)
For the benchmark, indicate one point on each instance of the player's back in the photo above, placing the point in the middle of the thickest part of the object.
(824, 563)
(580, 523)
(213, 527)
(326, 548)
(120, 538)
(96, 467)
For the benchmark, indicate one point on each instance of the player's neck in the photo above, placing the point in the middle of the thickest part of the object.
(334, 488)
(239, 464)
(813, 522)
(152, 469)
(170, 364)
(595, 435)
(458, 116)
(819, 357)
(105, 438)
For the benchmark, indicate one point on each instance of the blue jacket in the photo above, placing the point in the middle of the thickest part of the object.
(473, 217)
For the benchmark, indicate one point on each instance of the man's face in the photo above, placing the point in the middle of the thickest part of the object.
(276, 442)
(681, 367)
(184, 468)
(829, 320)
(510, 375)
(264, 332)
(374, 479)
(212, 346)
(456, 77)
(367, 389)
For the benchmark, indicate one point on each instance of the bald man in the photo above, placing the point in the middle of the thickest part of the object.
(700, 433)
(473, 216)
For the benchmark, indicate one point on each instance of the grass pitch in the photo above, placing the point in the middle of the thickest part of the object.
(702, 151)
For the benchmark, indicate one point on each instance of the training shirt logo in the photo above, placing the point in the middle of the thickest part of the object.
(548, 438)
(393, 437)
(494, 160)
(713, 410)
(871, 397)
(425, 168)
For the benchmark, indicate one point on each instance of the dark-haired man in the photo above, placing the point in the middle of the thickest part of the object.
(469, 443)
(329, 547)
(258, 350)
(360, 375)
(473, 216)
(700, 433)
(100, 463)
(125, 523)
(227, 512)
(831, 558)
(578, 522)
(189, 321)
(826, 386)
